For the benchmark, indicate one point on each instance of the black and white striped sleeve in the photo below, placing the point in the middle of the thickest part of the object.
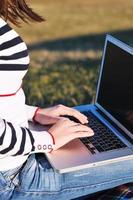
(16, 140)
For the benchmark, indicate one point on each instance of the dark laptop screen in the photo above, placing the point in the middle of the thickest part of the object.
(116, 88)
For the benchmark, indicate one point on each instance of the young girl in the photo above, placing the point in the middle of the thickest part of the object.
(25, 174)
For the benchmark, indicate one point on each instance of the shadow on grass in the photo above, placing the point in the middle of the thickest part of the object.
(84, 62)
(82, 43)
(73, 78)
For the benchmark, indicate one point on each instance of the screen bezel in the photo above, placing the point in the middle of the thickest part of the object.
(129, 50)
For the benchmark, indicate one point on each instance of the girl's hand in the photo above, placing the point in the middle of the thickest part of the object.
(47, 116)
(66, 130)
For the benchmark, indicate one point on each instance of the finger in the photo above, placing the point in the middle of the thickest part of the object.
(67, 122)
(75, 113)
(81, 134)
(80, 127)
(62, 120)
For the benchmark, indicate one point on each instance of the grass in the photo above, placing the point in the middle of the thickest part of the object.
(66, 50)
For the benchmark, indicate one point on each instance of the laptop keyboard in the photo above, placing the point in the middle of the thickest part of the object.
(103, 140)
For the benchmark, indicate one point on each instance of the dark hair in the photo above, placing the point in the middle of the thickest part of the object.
(17, 10)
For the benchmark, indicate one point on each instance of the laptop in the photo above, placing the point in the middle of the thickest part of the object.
(110, 116)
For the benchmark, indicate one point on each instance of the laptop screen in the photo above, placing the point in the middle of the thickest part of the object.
(116, 86)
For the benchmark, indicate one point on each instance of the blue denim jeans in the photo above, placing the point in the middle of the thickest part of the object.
(37, 180)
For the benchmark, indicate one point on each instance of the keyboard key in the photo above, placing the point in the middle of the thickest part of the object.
(104, 139)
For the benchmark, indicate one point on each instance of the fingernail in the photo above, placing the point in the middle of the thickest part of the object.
(92, 133)
(85, 122)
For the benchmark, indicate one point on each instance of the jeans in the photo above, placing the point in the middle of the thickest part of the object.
(37, 180)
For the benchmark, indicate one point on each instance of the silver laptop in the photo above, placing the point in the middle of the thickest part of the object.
(111, 115)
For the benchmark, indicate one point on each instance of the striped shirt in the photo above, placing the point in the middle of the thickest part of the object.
(17, 141)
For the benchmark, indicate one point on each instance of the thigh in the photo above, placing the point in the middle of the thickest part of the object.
(38, 175)
(92, 180)
(38, 179)
(7, 183)
(117, 171)
(34, 180)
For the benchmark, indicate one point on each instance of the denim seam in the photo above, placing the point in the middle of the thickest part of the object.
(74, 188)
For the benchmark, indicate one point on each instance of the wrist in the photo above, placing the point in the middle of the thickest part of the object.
(53, 139)
(43, 142)
(34, 119)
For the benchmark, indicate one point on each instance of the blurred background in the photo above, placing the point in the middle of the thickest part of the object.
(66, 50)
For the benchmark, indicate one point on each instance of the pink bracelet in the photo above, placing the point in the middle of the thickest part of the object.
(33, 118)
(52, 139)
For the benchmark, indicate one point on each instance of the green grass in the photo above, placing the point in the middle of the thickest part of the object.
(66, 49)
